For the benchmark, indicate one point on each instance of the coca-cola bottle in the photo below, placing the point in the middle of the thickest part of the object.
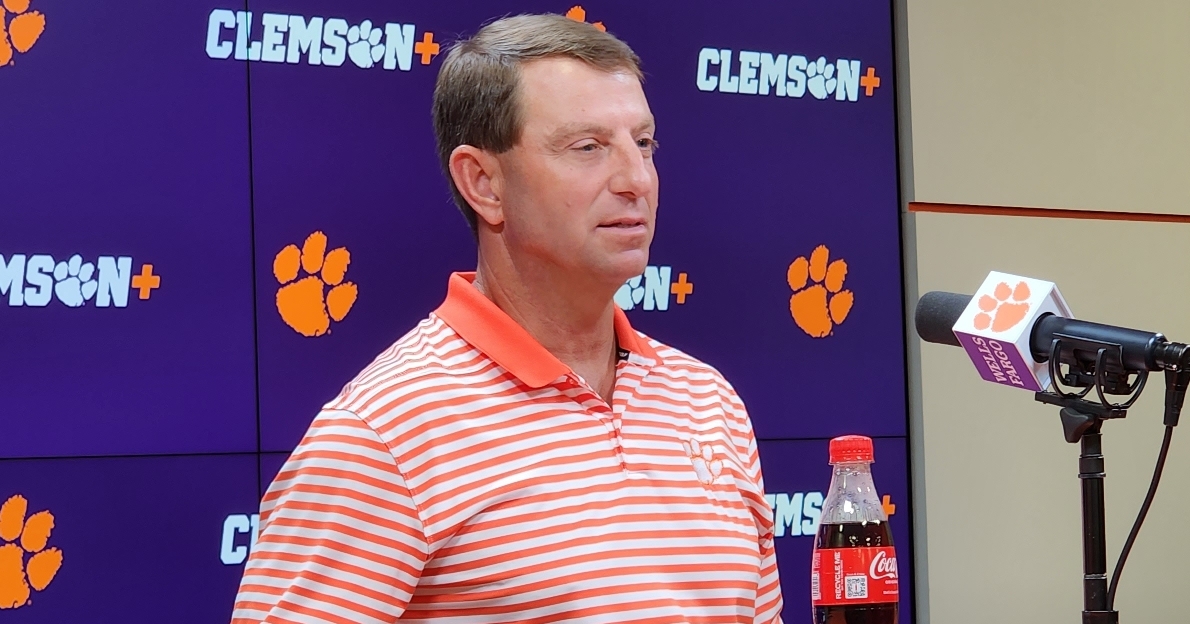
(854, 575)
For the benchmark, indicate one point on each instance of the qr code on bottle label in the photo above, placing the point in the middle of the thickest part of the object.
(856, 586)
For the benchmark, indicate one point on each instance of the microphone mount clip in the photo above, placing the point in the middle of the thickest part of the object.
(1093, 364)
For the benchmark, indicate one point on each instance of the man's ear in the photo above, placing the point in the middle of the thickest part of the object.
(478, 177)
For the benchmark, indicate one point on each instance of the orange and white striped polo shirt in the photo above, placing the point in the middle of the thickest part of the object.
(467, 475)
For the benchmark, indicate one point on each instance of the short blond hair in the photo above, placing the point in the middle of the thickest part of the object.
(475, 97)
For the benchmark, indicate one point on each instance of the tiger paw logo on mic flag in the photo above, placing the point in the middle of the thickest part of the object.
(1003, 311)
(997, 325)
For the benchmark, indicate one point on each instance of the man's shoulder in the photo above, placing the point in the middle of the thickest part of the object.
(675, 363)
(414, 364)
(685, 377)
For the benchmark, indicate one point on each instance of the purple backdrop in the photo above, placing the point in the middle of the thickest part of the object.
(140, 537)
(127, 146)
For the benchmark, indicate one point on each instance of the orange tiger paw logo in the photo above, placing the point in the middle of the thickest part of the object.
(579, 14)
(17, 577)
(1002, 312)
(305, 305)
(821, 305)
(19, 31)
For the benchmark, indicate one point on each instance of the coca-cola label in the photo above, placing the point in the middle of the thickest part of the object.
(842, 576)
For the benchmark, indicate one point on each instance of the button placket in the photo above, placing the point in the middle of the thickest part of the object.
(611, 422)
(594, 405)
(618, 439)
(629, 374)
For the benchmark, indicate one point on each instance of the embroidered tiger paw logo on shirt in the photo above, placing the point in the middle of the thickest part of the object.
(706, 466)
(305, 304)
(579, 14)
(1002, 312)
(20, 30)
(819, 301)
(20, 576)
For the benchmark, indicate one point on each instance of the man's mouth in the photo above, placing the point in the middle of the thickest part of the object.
(626, 222)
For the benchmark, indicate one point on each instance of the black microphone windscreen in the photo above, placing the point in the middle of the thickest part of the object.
(936, 314)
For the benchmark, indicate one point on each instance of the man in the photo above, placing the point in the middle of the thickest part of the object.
(523, 454)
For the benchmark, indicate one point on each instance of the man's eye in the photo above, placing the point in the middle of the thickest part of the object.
(649, 145)
(588, 147)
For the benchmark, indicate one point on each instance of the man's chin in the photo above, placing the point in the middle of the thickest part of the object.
(625, 265)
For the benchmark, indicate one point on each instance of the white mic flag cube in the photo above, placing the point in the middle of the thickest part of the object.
(996, 326)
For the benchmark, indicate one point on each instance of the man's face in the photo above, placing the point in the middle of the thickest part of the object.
(580, 188)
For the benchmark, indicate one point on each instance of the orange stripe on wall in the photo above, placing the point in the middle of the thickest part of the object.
(1049, 213)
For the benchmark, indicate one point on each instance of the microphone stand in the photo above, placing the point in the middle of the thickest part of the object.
(1082, 422)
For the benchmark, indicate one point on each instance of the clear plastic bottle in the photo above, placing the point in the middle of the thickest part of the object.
(854, 574)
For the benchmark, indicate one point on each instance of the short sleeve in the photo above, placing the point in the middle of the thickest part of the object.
(341, 539)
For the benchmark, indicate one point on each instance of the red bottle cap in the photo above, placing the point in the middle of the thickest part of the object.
(851, 448)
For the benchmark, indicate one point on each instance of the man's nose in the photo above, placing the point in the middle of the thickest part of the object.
(633, 175)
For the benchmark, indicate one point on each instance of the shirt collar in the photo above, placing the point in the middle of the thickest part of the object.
(486, 327)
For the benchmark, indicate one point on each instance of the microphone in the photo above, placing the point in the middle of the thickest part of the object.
(1018, 331)
(1009, 327)
(995, 326)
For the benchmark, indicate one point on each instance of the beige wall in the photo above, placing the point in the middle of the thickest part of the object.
(1058, 104)
(1051, 103)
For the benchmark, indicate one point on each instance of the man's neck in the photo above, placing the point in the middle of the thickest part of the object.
(573, 320)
